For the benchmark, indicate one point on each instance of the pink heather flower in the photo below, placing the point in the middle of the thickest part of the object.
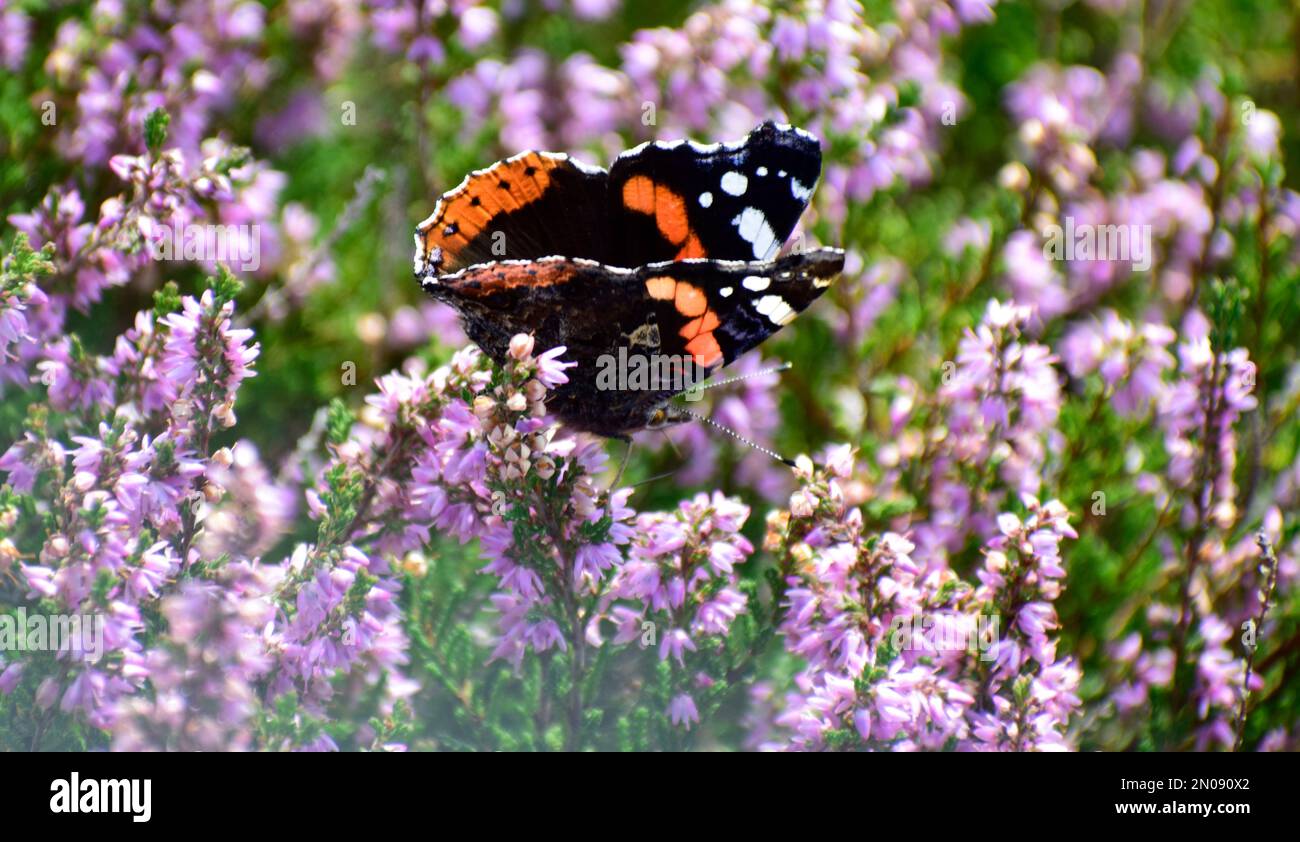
(595, 9)
(550, 368)
(1131, 361)
(675, 643)
(682, 711)
(965, 234)
(854, 602)
(15, 31)
(478, 25)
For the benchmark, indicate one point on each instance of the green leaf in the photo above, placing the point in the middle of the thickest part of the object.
(155, 129)
(339, 421)
(166, 300)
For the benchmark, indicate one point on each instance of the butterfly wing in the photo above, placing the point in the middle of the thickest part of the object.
(662, 201)
(682, 199)
(536, 204)
(591, 309)
(675, 321)
(714, 311)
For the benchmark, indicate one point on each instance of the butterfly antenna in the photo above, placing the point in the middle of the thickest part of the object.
(738, 437)
(776, 369)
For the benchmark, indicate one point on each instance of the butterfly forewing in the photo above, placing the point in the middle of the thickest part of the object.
(533, 205)
(681, 200)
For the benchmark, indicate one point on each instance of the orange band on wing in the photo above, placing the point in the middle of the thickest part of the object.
(489, 279)
(642, 195)
(670, 215)
(705, 349)
(661, 288)
(693, 248)
(504, 187)
(704, 324)
(639, 194)
(690, 300)
(702, 344)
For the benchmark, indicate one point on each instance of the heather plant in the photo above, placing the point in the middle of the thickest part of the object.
(1046, 424)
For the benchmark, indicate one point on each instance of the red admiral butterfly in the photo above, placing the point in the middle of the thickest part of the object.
(671, 253)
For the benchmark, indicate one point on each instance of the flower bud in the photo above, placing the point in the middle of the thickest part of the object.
(415, 563)
(55, 550)
(802, 504)
(8, 555)
(521, 346)
(225, 415)
(535, 390)
(371, 328)
(47, 693)
(1014, 176)
(83, 481)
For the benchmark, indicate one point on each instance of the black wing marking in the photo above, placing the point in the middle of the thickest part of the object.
(682, 199)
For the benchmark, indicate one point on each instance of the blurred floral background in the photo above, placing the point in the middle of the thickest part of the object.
(312, 517)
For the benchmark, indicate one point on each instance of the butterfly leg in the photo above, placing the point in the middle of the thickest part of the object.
(649, 480)
(681, 462)
(622, 466)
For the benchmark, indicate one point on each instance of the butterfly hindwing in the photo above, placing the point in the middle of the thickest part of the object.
(683, 319)
(602, 315)
(715, 311)
(681, 200)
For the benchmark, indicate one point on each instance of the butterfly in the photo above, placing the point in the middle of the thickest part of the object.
(668, 260)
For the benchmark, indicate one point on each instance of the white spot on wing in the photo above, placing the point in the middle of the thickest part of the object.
(753, 229)
(755, 283)
(726, 292)
(799, 191)
(734, 183)
(706, 199)
(775, 308)
(761, 171)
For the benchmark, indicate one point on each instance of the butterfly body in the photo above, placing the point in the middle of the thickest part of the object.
(668, 260)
